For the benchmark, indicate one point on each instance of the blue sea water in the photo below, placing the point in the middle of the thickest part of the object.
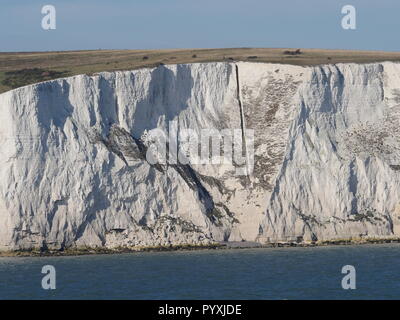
(271, 273)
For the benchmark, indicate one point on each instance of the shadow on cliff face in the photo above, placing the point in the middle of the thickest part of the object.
(107, 104)
(167, 97)
(52, 109)
(53, 106)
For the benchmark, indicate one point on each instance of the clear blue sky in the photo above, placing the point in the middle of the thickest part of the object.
(152, 24)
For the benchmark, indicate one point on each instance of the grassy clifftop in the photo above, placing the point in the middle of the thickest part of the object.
(22, 68)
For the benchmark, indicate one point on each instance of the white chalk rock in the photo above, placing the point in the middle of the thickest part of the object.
(73, 168)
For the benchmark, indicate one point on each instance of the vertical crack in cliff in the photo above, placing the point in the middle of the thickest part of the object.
(353, 181)
(242, 120)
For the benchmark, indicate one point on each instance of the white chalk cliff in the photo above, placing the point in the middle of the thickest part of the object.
(326, 156)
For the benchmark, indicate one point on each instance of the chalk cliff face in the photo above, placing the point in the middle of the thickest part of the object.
(74, 171)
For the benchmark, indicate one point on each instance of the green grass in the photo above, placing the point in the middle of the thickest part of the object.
(19, 78)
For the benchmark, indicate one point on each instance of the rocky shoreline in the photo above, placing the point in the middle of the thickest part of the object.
(188, 247)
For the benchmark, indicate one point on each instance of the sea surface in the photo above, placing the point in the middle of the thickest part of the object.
(271, 273)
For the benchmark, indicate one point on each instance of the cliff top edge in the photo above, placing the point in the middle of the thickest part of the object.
(18, 69)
